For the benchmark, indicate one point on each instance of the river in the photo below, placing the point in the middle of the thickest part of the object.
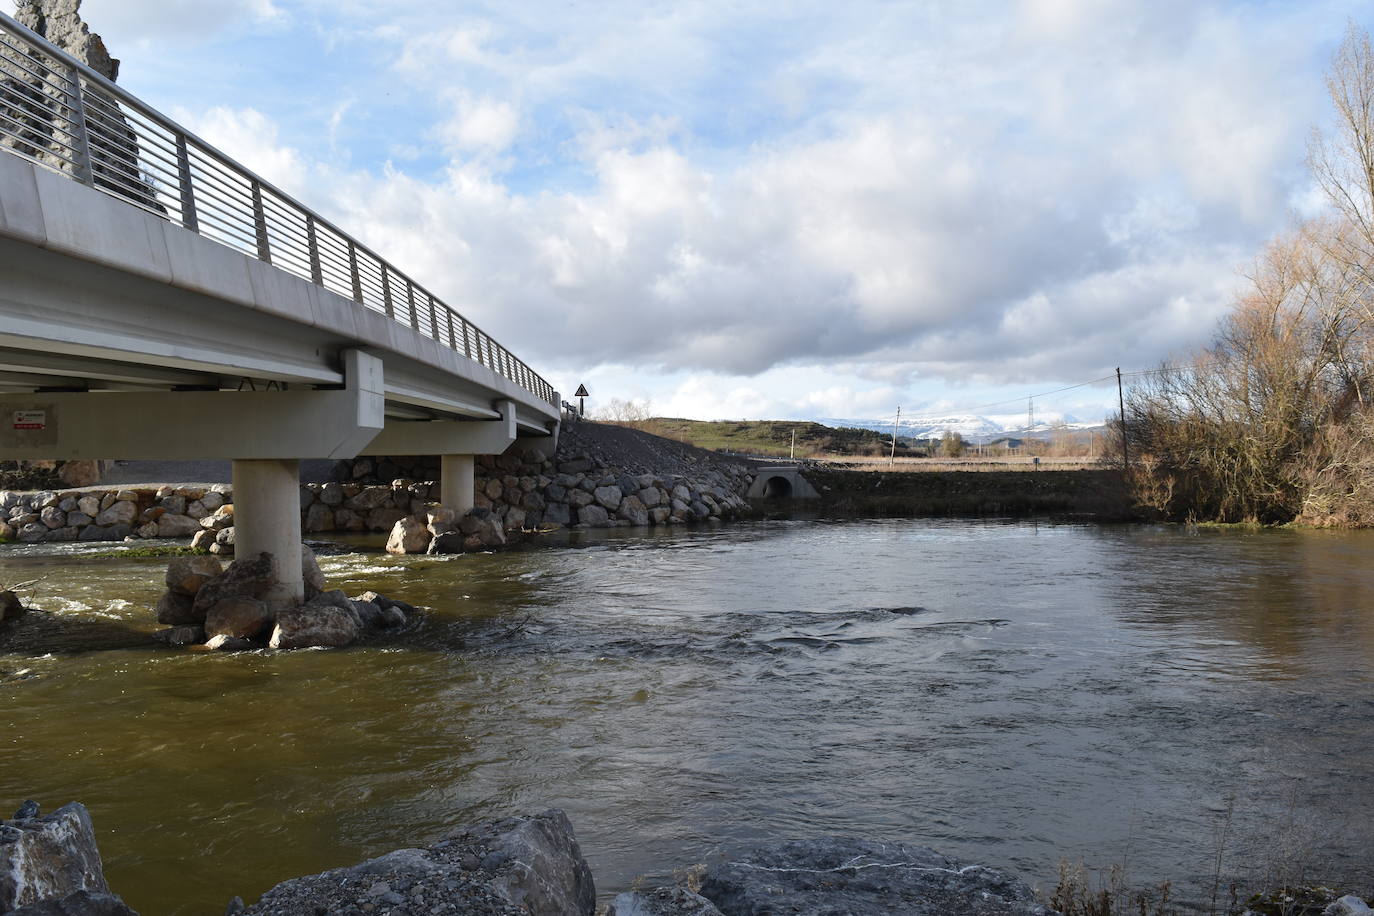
(1011, 693)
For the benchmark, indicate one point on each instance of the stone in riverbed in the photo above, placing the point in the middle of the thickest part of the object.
(313, 626)
(185, 575)
(243, 618)
(181, 636)
(48, 857)
(10, 605)
(863, 878)
(246, 577)
(121, 512)
(175, 608)
(409, 535)
(224, 643)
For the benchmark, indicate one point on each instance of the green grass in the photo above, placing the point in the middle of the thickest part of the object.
(168, 551)
(769, 437)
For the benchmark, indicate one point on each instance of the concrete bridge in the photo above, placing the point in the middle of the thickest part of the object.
(158, 300)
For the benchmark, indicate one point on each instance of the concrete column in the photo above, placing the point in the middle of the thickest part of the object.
(456, 482)
(267, 517)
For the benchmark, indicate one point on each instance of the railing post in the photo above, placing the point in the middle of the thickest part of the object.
(387, 304)
(467, 337)
(260, 225)
(313, 241)
(410, 299)
(433, 318)
(189, 220)
(81, 138)
(452, 337)
(353, 272)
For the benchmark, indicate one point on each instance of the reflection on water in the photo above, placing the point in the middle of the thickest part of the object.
(1009, 693)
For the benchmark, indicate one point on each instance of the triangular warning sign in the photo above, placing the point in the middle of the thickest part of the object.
(581, 392)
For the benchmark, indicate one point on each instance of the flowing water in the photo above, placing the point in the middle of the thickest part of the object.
(1010, 693)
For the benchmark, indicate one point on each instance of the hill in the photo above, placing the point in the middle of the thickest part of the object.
(769, 437)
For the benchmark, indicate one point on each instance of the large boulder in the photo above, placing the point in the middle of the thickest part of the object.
(520, 866)
(863, 878)
(83, 473)
(409, 535)
(48, 857)
(246, 577)
(185, 575)
(315, 625)
(176, 609)
(176, 526)
(240, 617)
(10, 605)
(311, 572)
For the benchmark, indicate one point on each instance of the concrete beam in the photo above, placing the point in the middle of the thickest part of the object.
(447, 437)
(198, 424)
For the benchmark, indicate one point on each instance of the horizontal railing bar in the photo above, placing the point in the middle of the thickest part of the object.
(135, 150)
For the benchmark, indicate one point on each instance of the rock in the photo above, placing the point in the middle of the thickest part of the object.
(408, 535)
(213, 501)
(7, 531)
(81, 473)
(33, 532)
(369, 498)
(557, 515)
(120, 512)
(384, 519)
(89, 505)
(146, 531)
(318, 517)
(10, 605)
(189, 635)
(440, 519)
(310, 570)
(81, 903)
(224, 643)
(608, 497)
(314, 625)
(176, 608)
(449, 542)
(177, 526)
(515, 518)
(543, 869)
(368, 613)
(633, 511)
(42, 858)
(246, 577)
(225, 537)
(174, 504)
(863, 878)
(579, 498)
(1349, 905)
(332, 494)
(186, 575)
(53, 517)
(663, 901)
(237, 616)
(650, 496)
(593, 516)
(203, 539)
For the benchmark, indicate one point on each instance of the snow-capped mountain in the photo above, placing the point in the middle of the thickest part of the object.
(973, 427)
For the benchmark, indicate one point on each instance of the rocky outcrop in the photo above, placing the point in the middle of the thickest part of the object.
(50, 865)
(862, 878)
(242, 607)
(520, 866)
(661, 901)
(59, 21)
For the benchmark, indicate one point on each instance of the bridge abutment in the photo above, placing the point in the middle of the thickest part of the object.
(267, 518)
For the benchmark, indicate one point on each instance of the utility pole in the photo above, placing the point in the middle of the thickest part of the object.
(892, 459)
(1125, 446)
(792, 455)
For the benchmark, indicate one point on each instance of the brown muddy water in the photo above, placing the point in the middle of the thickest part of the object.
(1010, 693)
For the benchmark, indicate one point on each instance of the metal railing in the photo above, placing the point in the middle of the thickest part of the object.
(61, 114)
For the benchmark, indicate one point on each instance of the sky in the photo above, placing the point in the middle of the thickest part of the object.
(780, 210)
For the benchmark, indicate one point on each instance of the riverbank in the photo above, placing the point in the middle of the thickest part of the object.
(1083, 494)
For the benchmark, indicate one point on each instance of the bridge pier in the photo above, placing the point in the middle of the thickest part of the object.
(267, 517)
(456, 481)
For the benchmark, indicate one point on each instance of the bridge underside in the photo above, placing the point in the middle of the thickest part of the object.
(125, 336)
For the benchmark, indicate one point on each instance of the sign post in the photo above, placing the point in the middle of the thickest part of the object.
(581, 395)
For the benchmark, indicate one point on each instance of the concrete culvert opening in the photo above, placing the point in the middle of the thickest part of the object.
(777, 488)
